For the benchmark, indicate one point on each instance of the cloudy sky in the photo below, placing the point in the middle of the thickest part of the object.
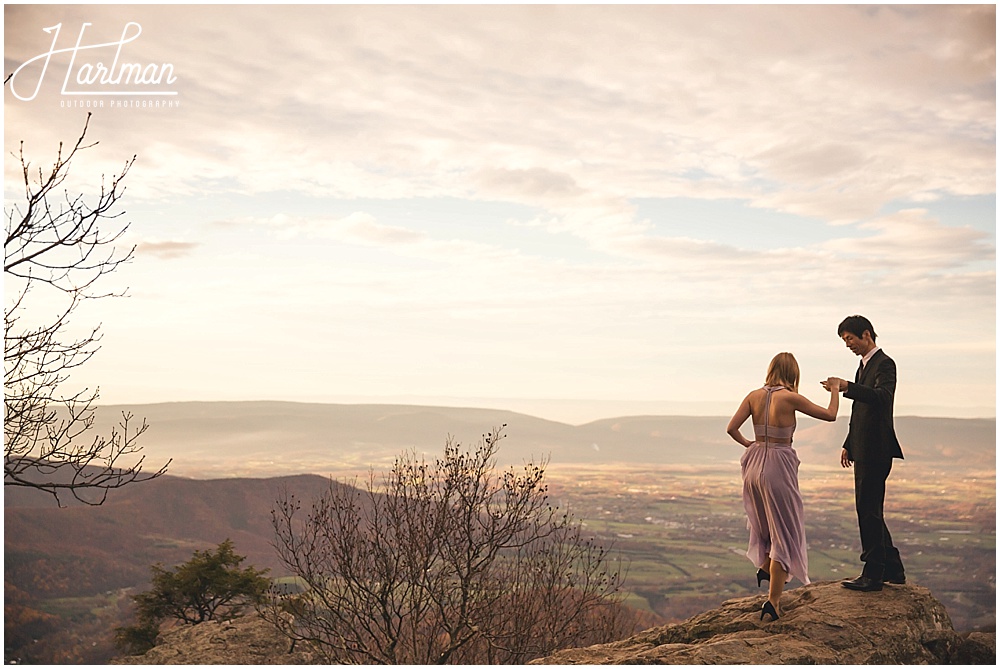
(572, 210)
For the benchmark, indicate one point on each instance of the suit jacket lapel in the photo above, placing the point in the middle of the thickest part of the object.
(867, 371)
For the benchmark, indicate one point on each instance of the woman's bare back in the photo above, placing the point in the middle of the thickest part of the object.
(782, 409)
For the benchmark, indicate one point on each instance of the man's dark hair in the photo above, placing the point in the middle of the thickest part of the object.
(856, 325)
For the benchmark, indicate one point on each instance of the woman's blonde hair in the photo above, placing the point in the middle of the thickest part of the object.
(783, 371)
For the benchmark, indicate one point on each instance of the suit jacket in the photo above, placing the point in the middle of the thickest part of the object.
(872, 437)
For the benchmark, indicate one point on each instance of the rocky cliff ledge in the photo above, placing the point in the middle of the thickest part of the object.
(243, 641)
(822, 623)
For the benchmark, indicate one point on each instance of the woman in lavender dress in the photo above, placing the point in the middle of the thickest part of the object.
(770, 477)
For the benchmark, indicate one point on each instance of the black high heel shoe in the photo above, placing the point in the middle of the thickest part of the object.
(768, 609)
(762, 576)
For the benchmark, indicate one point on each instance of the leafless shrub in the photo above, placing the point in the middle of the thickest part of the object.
(452, 562)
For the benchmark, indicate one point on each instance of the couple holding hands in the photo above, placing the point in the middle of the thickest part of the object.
(770, 466)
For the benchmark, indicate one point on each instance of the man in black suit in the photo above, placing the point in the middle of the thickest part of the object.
(870, 446)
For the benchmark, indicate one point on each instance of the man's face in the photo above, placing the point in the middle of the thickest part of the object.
(858, 345)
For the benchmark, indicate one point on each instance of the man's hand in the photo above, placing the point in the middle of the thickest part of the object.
(845, 458)
(834, 383)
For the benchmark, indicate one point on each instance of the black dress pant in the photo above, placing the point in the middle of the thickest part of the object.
(877, 552)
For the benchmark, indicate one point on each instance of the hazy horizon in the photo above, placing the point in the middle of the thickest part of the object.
(568, 411)
(630, 206)
(213, 439)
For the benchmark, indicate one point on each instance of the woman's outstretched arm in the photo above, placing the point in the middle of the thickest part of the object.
(828, 414)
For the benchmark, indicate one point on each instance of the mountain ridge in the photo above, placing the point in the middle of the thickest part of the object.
(210, 439)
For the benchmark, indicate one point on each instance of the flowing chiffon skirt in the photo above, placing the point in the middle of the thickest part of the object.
(774, 508)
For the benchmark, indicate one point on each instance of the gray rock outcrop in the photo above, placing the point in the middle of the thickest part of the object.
(821, 623)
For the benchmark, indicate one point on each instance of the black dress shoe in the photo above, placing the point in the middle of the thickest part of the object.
(768, 610)
(863, 584)
(762, 576)
(895, 580)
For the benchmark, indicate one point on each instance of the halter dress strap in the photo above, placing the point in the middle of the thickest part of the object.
(782, 433)
(767, 411)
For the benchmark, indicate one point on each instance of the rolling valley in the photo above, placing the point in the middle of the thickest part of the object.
(664, 490)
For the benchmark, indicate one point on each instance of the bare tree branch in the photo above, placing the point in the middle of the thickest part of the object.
(57, 247)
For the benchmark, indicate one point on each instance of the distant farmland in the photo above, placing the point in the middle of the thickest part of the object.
(684, 532)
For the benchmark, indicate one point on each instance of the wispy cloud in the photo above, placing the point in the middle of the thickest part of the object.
(911, 241)
(166, 250)
(779, 112)
(313, 131)
(357, 228)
